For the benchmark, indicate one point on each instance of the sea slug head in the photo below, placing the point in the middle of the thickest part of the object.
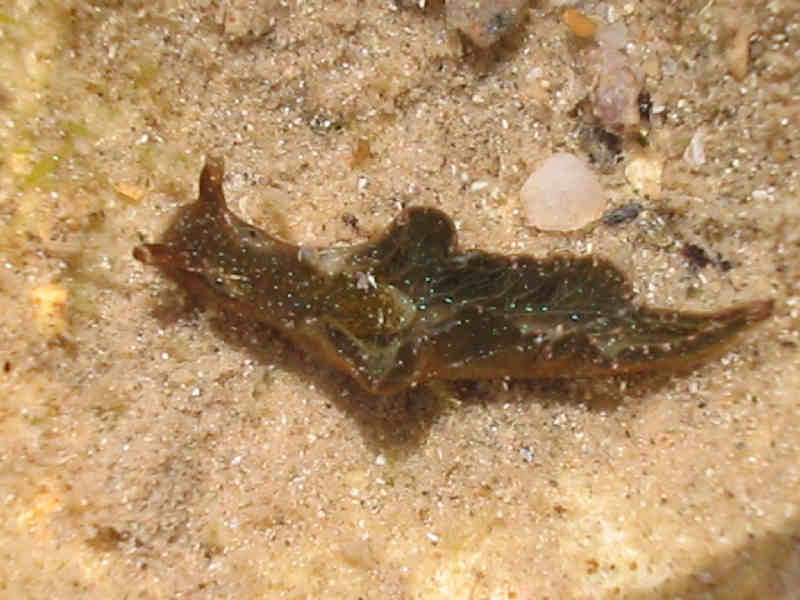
(196, 245)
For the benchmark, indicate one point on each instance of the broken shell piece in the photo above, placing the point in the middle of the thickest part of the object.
(484, 22)
(644, 173)
(615, 93)
(562, 194)
(50, 309)
(695, 153)
(613, 36)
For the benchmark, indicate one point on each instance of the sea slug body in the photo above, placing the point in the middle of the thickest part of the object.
(409, 306)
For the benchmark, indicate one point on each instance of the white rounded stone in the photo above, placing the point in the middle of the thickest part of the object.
(562, 194)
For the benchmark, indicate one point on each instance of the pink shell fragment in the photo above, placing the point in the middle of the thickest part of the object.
(562, 194)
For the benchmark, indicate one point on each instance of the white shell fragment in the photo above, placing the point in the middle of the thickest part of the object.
(695, 153)
(562, 194)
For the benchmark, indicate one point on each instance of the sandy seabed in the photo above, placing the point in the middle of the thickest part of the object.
(149, 450)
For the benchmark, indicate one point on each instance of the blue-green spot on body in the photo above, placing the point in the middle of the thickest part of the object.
(409, 306)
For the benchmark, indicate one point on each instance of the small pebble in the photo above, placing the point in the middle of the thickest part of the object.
(249, 19)
(361, 153)
(484, 22)
(622, 214)
(579, 23)
(562, 194)
(129, 190)
(696, 255)
(644, 173)
(738, 53)
(50, 309)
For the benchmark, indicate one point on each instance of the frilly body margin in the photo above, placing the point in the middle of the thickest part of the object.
(409, 306)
